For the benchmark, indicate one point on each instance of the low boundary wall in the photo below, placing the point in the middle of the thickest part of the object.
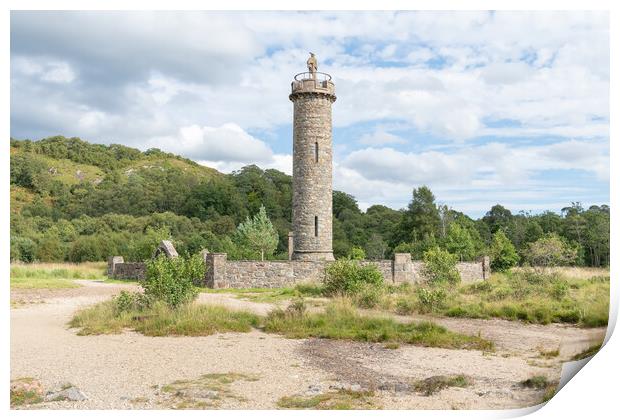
(221, 273)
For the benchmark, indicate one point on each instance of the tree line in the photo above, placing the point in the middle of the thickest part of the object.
(143, 197)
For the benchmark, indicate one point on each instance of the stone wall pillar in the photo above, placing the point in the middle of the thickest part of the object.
(486, 267)
(215, 275)
(112, 261)
(291, 246)
(402, 269)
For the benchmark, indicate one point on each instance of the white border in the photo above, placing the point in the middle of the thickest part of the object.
(592, 395)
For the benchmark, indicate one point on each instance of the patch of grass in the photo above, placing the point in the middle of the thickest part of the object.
(536, 382)
(549, 354)
(541, 383)
(589, 352)
(205, 391)
(54, 275)
(272, 295)
(523, 295)
(160, 320)
(342, 322)
(340, 400)
(434, 384)
(391, 346)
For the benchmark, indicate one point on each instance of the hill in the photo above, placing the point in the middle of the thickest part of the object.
(77, 201)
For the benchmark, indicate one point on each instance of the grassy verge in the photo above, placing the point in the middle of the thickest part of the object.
(54, 275)
(272, 295)
(339, 321)
(342, 322)
(530, 297)
(160, 320)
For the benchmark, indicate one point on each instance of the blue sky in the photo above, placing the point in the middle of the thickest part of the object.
(484, 108)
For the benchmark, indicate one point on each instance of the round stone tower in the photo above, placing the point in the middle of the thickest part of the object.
(312, 94)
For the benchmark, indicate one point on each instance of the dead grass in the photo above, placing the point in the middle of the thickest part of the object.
(54, 275)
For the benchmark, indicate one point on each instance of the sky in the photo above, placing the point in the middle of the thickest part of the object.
(482, 107)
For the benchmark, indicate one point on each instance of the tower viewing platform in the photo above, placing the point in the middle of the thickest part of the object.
(313, 83)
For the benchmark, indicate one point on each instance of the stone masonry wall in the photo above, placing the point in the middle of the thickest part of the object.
(129, 271)
(221, 273)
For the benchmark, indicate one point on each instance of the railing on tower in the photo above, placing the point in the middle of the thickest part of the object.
(317, 80)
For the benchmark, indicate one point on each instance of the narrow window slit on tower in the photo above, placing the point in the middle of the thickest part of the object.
(316, 152)
(316, 225)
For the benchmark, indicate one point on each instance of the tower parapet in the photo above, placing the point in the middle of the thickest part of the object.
(312, 94)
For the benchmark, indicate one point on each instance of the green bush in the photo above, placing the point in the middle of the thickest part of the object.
(431, 299)
(171, 280)
(405, 306)
(131, 301)
(502, 252)
(357, 253)
(369, 296)
(440, 267)
(349, 277)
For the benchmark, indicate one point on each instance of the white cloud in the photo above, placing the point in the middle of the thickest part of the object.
(226, 143)
(380, 137)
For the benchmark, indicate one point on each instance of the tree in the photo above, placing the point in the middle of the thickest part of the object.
(258, 233)
(551, 251)
(440, 267)
(502, 253)
(497, 218)
(421, 219)
(460, 243)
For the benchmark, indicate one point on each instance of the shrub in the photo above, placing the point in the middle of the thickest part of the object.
(357, 253)
(431, 299)
(369, 296)
(440, 267)
(502, 253)
(550, 251)
(128, 301)
(405, 306)
(171, 280)
(348, 277)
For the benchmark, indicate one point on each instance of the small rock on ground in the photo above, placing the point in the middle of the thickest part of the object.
(69, 394)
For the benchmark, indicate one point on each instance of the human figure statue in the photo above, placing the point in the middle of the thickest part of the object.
(312, 65)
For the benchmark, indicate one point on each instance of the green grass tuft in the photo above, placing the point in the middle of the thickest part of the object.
(340, 400)
(341, 321)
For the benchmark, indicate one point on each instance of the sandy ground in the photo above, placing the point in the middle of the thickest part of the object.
(128, 370)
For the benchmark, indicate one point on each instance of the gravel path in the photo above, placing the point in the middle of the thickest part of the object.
(129, 370)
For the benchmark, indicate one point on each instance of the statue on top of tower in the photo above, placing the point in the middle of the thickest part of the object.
(313, 65)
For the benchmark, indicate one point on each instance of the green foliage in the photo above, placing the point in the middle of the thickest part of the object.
(502, 252)
(440, 267)
(340, 321)
(258, 234)
(349, 277)
(172, 280)
(431, 300)
(131, 301)
(159, 319)
(114, 194)
(460, 242)
(551, 251)
(357, 253)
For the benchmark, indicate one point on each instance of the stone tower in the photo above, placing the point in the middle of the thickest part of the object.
(312, 94)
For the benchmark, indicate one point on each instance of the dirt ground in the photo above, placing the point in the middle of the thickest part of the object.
(129, 370)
